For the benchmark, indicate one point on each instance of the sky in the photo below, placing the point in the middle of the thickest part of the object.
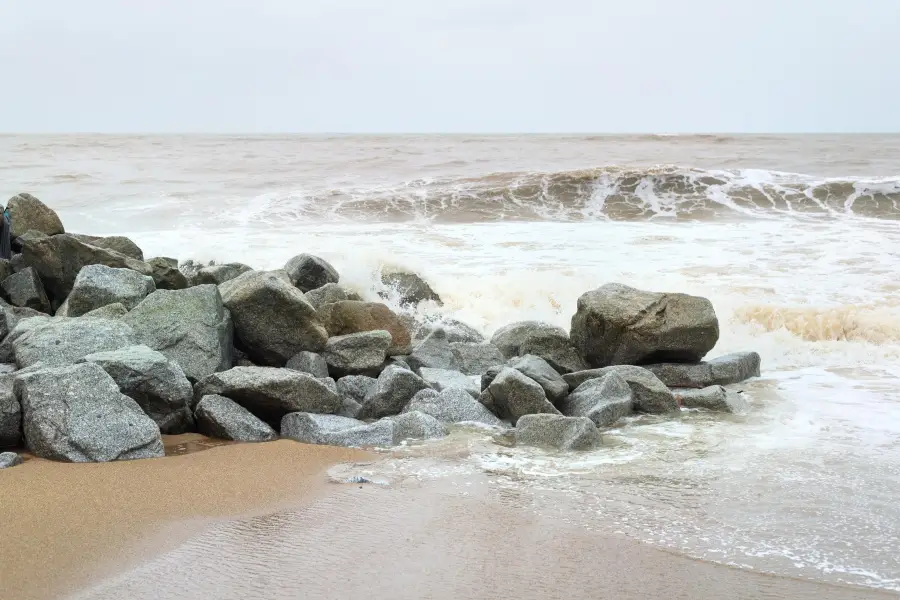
(381, 66)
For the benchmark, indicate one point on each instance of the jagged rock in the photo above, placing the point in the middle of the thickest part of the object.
(510, 338)
(99, 285)
(457, 331)
(619, 325)
(54, 341)
(308, 272)
(218, 274)
(190, 327)
(9, 459)
(350, 316)
(157, 384)
(353, 389)
(434, 352)
(110, 311)
(714, 397)
(414, 425)
(409, 288)
(392, 391)
(270, 393)
(476, 358)
(10, 413)
(333, 430)
(538, 370)
(116, 243)
(558, 432)
(24, 289)
(272, 320)
(452, 405)
(559, 353)
(166, 275)
(724, 370)
(650, 394)
(31, 234)
(516, 395)
(442, 379)
(77, 414)
(223, 418)
(309, 362)
(329, 294)
(604, 400)
(28, 213)
(357, 353)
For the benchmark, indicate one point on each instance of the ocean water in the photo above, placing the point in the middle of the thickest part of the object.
(795, 239)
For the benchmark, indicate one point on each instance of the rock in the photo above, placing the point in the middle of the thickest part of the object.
(392, 391)
(10, 413)
(77, 414)
(398, 361)
(487, 400)
(416, 426)
(510, 338)
(308, 272)
(353, 389)
(54, 341)
(9, 459)
(221, 417)
(189, 270)
(434, 352)
(619, 325)
(31, 234)
(329, 294)
(538, 370)
(714, 397)
(410, 288)
(442, 379)
(604, 400)
(475, 358)
(558, 432)
(330, 383)
(218, 274)
(6, 268)
(272, 320)
(357, 353)
(17, 262)
(116, 243)
(724, 370)
(453, 405)
(10, 316)
(166, 275)
(350, 316)
(110, 311)
(164, 261)
(457, 331)
(559, 353)
(309, 362)
(28, 213)
(24, 289)
(157, 384)
(333, 430)
(650, 394)
(270, 393)
(190, 327)
(99, 285)
(515, 395)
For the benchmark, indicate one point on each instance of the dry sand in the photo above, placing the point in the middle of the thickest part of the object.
(64, 526)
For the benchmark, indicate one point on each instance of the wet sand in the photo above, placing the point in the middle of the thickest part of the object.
(159, 523)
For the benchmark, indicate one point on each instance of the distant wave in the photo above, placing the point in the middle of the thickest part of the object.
(605, 193)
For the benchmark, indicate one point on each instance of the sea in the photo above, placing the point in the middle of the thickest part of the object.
(794, 238)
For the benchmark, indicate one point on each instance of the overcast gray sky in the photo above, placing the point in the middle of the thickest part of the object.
(449, 66)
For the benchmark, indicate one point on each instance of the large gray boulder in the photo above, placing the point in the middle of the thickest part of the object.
(604, 400)
(329, 294)
(415, 425)
(353, 390)
(650, 394)
(442, 379)
(166, 274)
(333, 430)
(272, 320)
(24, 289)
(77, 414)
(350, 316)
(98, 285)
(393, 391)
(516, 395)
(57, 341)
(434, 352)
(222, 418)
(9, 459)
(270, 393)
(724, 370)
(715, 398)
(510, 338)
(190, 327)
(309, 362)
(156, 383)
(558, 352)
(409, 288)
(116, 243)
(357, 353)
(27, 213)
(557, 432)
(476, 358)
(308, 272)
(10, 413)
(218, 274)
(452, 405)
(620, 325)
(543, 374)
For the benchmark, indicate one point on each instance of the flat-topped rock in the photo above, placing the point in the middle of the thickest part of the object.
(333, 430)
(557, 432)
(604, 400)
(715, 398)
(97, 286)
(222, 418)
(56, 341)
(724, 370)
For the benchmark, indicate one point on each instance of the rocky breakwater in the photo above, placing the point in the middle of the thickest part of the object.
(103, 351)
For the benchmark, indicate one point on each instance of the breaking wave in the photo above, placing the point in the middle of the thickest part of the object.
(607, 193)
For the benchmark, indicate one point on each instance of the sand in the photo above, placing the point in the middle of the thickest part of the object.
(162, 523)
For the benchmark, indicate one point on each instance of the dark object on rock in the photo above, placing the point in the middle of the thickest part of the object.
(9, 459)
(308, 272)
(24, 289)
(714, 398)
(221, 417)
(28, 213)
(334, 430)
(557, 432)
(309, 362)
(515, 395)
(350, 316)
(117, 243)
(391, 393)
(329, 294)
(166, 275)
(54, 342)
(99, 285)
(77, 414)
(724, 370)
(410, 288)
(604, 400)
(357, 353)
(219, 274)
(619, 325)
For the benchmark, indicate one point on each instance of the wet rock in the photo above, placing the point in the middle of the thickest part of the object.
(558, 352)
(415, 425)
(116, 243)
(308, 272)
(620, 325)
(409, 288)
(54, 341)
(28, 213)
(715, 398)
(557, 432)
(392, 391)
(24, 289)
(537, 369)
(222, 418)
(77, 414)
(357, 353)
(189, 270)
(333, 430)
(9, 459)
(329, 294)
(353, 389)
(218, 274)
(476, 358)
(350, 316)
(516, 395)
(166, 275)
(434, 352)
(604, 400)
(453, 405)
(442, 379)
(309, 362)
(98, 285)
(510, 338)
(270, 393)
(724, 370)
(110, 311)
(457, 331)
(650, 394)
(157, 384)
(272, 320)
(190, 327)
